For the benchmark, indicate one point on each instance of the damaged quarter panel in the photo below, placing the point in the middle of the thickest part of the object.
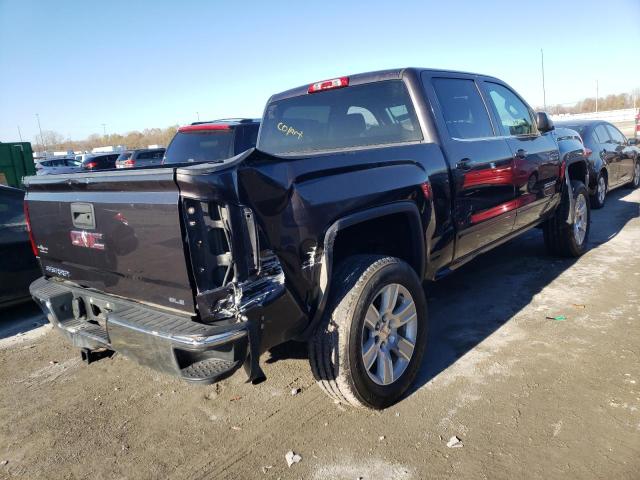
(297, 199)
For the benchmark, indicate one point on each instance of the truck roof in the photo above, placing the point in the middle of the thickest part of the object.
(375, 76)
(229, 121)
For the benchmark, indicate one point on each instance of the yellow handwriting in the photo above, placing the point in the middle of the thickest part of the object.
(287, 130)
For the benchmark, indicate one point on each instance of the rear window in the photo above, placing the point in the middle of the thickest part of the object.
(358, 116)
(200, 146)
(124, 156)
(578, 128)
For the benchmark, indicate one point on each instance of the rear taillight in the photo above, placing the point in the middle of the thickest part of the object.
(426, 190)
(328, 84)
(34, 249)
(90, 165)
(129, 163)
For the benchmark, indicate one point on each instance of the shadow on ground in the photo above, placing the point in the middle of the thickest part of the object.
(20, 319)
(477, 299)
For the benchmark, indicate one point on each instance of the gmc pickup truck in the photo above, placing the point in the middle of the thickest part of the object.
(359, 189)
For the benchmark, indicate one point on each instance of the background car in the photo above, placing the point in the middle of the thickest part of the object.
(100, 161)
(613, 160)
(58, 165)
(18, 267)
(211, 141)
(143, 157)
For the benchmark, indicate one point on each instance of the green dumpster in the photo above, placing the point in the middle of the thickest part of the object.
(16, 162)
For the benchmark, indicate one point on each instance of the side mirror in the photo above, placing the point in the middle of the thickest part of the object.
(545, 124)
(633, 141)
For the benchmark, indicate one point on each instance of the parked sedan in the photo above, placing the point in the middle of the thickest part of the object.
(613, 160)
(140, 158)
(18, 267)
(58, 165)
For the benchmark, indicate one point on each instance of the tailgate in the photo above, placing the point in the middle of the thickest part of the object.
(116, 231)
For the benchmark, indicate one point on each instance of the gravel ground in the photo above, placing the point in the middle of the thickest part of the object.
(528, 396)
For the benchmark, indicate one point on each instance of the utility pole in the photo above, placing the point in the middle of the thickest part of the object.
(44, 146)
(19, 133)
(597, 93)
(198, 115)
(544, 92)
(104, 129)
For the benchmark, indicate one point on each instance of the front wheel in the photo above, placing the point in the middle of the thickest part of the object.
(635, 182)
(368, 350)
(562, 238)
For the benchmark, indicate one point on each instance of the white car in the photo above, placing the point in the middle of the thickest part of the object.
(53, 166)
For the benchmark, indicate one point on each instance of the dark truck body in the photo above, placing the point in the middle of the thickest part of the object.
(199, 269)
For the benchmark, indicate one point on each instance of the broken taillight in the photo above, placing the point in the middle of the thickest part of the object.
(34, 249)
(426, 190)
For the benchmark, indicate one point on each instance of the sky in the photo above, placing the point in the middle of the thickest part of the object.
(140, 64)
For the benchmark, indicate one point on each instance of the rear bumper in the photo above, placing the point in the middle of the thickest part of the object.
(166, 342)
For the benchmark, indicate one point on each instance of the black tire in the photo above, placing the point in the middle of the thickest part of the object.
(598, 198)
(635, 181)
(336, 348)
(559, 236)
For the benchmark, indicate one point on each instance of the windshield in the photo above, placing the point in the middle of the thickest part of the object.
(200, 146)
(363, 115)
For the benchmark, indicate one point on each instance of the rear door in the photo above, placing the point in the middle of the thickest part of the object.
(623, 154)
(481, 162)
(536, 159)
(116, 231)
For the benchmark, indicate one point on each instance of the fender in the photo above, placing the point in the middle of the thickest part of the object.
(326, 263)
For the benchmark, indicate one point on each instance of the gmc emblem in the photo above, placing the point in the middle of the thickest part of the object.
(82, 238)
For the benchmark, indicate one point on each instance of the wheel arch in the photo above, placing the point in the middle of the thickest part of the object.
(407, 209)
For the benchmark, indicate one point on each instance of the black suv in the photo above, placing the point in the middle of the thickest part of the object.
(102, 161)
(212, 141)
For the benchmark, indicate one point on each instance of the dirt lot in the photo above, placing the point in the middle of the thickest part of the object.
(530, 397)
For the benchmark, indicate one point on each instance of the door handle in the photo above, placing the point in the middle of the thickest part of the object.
(522, 154)
(464, 164)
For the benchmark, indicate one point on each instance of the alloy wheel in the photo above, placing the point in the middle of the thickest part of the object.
(581, 219)
(389, 334)
(602, 189)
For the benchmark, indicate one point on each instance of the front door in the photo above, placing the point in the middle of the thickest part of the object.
(481, 162)
(536, 167)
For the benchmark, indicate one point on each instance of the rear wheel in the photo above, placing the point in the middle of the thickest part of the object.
(368, 350)
(598, 199)
(562, 238)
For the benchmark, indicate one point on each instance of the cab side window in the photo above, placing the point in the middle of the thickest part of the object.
(515, 117)
(463, 109)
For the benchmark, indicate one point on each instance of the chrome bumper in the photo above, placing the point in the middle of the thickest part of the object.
(163, 341)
